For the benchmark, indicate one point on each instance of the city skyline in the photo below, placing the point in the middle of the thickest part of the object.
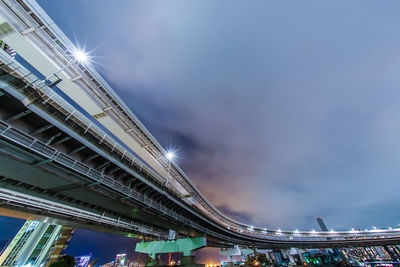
(89, 242)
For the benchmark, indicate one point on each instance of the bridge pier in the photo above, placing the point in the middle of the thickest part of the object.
(288, 255)
(245, 252)
(183, 245)
(235, 251)
(300, 253)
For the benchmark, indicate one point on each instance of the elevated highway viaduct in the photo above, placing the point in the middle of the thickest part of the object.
(75, 152)
(50, 166)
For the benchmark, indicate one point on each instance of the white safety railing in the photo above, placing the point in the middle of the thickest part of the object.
(14, 197)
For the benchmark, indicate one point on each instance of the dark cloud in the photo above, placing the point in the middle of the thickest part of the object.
(282, 112)
(244, 217)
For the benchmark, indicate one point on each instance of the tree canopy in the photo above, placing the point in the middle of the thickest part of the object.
(64, 261)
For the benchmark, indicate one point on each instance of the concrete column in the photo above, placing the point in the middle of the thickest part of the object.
(229, 252)
(286, 255)
(246, 252)
(300, 253)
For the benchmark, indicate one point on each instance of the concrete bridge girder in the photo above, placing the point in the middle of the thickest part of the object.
(185, 245)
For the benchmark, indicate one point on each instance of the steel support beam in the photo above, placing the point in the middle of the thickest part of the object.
(122, 175)
(52, 138)
(62, 140)
(92, 184)
(103, 165)
(113, 170)
(18, 116)
(38, 163)
(42, 129)
(76, 150)
(91, 158)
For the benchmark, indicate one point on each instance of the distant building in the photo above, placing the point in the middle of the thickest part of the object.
(36, 244)
(322, 224)
(120, 260)
(323, 227)
(83, 261)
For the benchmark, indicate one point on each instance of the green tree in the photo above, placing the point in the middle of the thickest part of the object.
(263, 259)
(64, 261)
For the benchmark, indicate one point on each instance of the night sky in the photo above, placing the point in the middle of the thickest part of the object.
(281, 111)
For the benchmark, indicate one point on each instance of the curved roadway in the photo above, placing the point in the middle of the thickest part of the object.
(36, 38)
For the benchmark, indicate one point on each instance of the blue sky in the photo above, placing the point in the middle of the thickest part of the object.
(282, 111)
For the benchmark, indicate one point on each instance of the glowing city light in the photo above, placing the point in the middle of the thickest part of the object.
(313, 232)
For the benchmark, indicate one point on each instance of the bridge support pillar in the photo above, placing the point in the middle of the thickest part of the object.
(235, 251)
(288, 254)
(301, 256)
(185, 245)
(246, 252)
(285, 255)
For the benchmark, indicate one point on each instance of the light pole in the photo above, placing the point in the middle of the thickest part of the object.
(170, 157)
(79, 56)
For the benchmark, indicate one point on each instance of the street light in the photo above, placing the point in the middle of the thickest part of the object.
(170, 157)
(79, 56)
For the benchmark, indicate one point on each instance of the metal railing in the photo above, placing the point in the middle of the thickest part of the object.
(13, 197)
